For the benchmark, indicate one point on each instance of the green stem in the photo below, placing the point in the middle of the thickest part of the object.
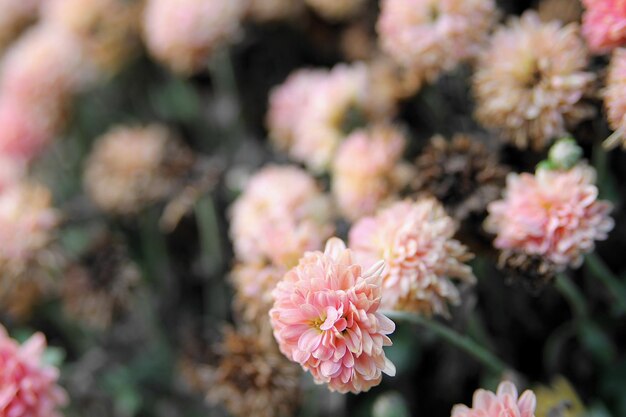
(462, 342)
(573, 295)
(596, 266)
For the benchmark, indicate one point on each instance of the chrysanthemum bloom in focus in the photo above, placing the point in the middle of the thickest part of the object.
(133, 167)
(462, 173)
(107, 29)
(565, 11)
(415, 239)
(326, 318)
(281, 214)
(29, 387)
(530, 81)
(433, 36)
(183, 34)
(250, 378)
(273, 10)
(505, 402)
(314, 110)
(366, 170)
(604, 24)
(253, 285)
(27, 225)
(615, 99)
(16, 14)
(100, 287)
(336, 9)
(553, 214)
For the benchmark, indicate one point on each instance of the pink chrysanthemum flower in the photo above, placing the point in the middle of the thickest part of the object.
(415, 239)
(326, 318)
(434, 36)
(553, 214)
(604, 24)
(28, 388)
(615, 98)
(314, 110)
(27, 220)
(336, 9)
(281, 214)
(505, 402)
(530, 81)
(366, 171)
(184, 33)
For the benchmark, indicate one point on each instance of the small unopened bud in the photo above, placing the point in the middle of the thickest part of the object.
(565, 153)
(390, 404)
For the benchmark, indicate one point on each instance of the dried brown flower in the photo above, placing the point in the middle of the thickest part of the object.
(251, 378)
(100, 286)
(533, 272)
(462, 173)
(566, 11)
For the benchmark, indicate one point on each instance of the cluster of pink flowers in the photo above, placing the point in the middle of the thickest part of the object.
(554, 214)
(415, 239)
(281, 214)
(604, 24)
(183, 34)
(505, 402)
(366, 168)
(615, 98)
(314, 110)
(434, 36)
(28, 388)
(326, 318)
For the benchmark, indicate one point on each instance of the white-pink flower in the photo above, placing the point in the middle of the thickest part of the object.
(553, 214)
(505, 402)
(416, 241)
(28, 388)
(184, 33)
(326, 318)
(434, 36)
(281, 214)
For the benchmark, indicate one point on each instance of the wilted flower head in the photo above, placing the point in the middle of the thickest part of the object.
(326, 318)
(247, 375)
(530, 81)
(415, 239)
(280, 215)
(566, 11)
(16, 14)
(132, 167)
(29, 387)
(554, 214)
(504, 402)
(615, 98)
(604, 24)
(434, 36)
(108, 30)
(365, 170)
(314, 110)
(271, 10)
(336, 9)
(183, 34)
(462, 173)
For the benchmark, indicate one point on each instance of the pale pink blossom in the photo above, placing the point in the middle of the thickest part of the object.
(434, 36)
(183, 34)
(27, 221)
(505, 402)
(281, 214)
(336, 9)
(28, 387)
(314, 110)
(553, 214)
(365, 170)
(604, 24)
(615, 98)
(325, 317)
(416, 241)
